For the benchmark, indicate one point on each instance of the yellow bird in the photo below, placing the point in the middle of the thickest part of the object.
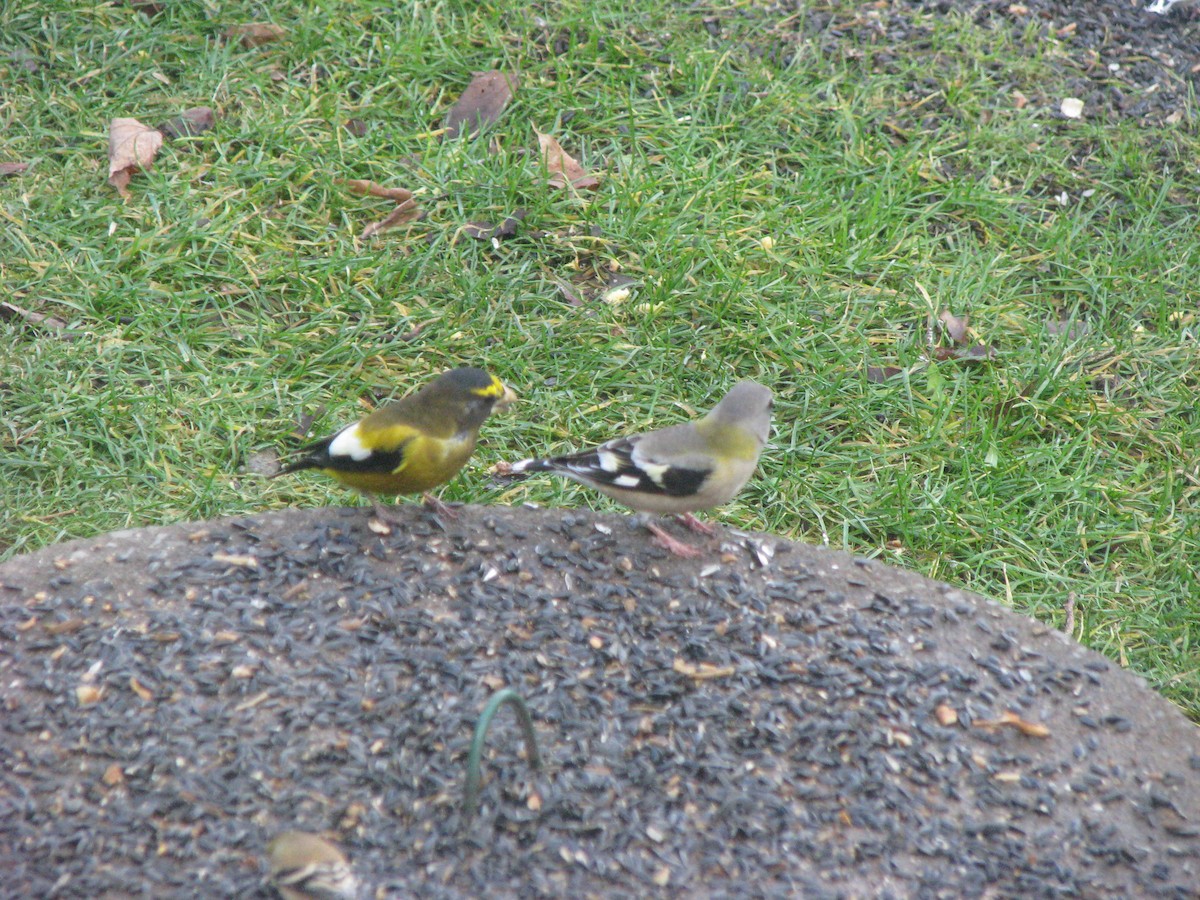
(305, 866)
(412, 445)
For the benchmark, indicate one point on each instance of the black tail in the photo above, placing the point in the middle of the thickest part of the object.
(316, 456)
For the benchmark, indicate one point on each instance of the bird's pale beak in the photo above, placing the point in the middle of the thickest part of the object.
(509, 398)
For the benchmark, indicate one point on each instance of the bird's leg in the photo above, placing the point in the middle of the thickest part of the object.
(672, 545)
(696, 525)
(439, 507)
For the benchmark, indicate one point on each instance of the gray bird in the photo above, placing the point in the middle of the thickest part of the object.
(1162, 7)
(677, 470)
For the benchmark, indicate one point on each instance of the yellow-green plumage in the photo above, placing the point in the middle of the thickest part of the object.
(413, 444)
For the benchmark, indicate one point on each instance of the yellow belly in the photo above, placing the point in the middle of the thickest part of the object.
(427, 464)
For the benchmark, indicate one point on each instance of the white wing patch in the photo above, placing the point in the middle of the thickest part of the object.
(626, 481)
(609, 461)
(654, 471)
(348, 443)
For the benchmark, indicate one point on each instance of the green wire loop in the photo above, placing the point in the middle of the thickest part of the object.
(502, 696)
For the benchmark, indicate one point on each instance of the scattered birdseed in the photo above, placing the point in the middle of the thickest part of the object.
(782, 729)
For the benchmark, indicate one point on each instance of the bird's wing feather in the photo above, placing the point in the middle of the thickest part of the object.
(665, 462)
(355, 449)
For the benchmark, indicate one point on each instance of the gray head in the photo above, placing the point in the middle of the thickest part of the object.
(748, 405)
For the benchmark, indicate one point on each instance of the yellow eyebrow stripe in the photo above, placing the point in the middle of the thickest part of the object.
(495, 389)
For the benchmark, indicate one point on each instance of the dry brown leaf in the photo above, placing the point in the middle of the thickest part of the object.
(132, 146)
(568, 291)
(12, 168)
(252, 34)
(481, 103)
(564, 169)
(373, 189)
(977, 353)
(148, 8)
(11, 310)
(880, 374)
(189, 123)
(956, 326)
(486, 231)
(405, 212)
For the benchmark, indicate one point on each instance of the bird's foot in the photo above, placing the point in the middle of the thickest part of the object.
(696, 525)
(439, 507)
(672, 545)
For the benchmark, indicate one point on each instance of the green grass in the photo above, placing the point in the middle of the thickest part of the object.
(230, 295)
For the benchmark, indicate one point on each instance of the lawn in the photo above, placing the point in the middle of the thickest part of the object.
(978, 313)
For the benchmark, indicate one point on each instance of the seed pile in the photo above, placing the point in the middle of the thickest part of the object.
(777, 721)
(1120, 60)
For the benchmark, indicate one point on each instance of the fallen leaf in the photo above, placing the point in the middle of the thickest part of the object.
(253, 34)
(132, 146)
(148, 8)
(405, 212)
(1069, 609)
(956, 326)
(11, 311)
(616, 296)
(564, 169)
(356, 127)
(189, 123)
(481, 103)
(406, 209)
(12, 168)
(485, 231)
(880, 374)
(976, 353)
(569, 293)
(370, 188)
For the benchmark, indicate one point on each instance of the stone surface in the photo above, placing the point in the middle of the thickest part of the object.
(776, 720)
